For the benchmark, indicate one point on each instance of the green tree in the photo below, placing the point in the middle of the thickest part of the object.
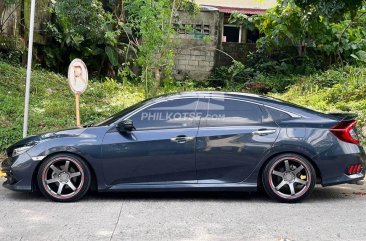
(334, 10)
(82, 28)
(150, 31)
(288, 24)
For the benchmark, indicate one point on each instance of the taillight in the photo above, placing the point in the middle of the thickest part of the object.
(345, 132)
(354, 169)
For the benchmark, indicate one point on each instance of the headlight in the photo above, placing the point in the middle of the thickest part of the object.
(20, 150)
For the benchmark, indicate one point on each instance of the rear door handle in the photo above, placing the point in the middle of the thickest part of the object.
(182, 139)
(263, 132)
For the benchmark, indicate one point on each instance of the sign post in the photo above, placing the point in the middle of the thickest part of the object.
(78, 81)
(77, 109)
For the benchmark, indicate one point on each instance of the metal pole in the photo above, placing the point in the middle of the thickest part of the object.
(29, 68)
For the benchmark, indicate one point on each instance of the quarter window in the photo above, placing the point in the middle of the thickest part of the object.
(168, 114)
(278, 115)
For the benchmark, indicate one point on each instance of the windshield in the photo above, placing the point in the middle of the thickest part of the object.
(122, 113)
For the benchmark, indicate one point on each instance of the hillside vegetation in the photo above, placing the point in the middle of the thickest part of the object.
(52, 104)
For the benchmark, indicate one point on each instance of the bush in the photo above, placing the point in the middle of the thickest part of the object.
(334, 91)
(241, 78)
(11, 49)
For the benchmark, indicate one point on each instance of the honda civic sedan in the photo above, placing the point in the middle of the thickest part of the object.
(194, 141)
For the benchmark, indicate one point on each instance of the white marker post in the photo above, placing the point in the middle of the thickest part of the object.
(78, 81)
(29, 68)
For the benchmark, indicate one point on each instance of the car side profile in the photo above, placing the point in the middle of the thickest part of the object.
(193, 141)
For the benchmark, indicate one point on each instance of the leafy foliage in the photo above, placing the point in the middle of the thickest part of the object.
(334, 10)
(82, 28)
(130, 39)
(149, 28)
(313, 35)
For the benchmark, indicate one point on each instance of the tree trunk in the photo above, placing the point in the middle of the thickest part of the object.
(157, 80)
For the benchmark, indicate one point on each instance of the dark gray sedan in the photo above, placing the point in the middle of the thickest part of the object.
(196, 141)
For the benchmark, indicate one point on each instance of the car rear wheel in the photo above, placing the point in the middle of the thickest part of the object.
(289, 178)
(64, 178)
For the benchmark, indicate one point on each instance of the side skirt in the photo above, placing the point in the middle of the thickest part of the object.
(237, 187)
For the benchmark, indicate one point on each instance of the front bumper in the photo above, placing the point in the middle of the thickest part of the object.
(19, 172)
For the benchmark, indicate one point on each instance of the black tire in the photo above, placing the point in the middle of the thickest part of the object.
(289, 178)
(73, 179)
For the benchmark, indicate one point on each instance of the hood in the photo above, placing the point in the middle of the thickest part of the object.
(35, 139)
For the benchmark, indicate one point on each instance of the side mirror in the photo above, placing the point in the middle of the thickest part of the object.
(125, 126)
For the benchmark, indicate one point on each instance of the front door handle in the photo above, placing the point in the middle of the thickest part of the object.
(263, 132)
(182, 139)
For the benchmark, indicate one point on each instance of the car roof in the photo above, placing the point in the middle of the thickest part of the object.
(248, 96)
(259, 99)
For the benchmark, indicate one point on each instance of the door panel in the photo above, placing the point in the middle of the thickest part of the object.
(229, 154)
(149, 157)
(160, 151)
(231, 140)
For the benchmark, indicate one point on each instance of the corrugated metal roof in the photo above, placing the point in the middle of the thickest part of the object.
(246, 4)
(241, 10)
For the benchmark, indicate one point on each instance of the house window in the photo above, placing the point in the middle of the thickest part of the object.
(206, 29)
(232, 34)
(202, 29)
(198, 28)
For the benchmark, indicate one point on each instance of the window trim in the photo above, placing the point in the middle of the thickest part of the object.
(131, 114)
(232, 25)
(260, 105)
(293, 115)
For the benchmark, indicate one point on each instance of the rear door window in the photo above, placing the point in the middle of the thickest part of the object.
(227, 112)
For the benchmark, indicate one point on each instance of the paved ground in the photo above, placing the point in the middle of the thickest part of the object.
(334, 213)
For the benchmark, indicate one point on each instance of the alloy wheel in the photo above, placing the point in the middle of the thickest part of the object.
(290, 177)
(63, 177)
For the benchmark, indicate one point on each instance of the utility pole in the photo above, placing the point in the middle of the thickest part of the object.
(29, 68)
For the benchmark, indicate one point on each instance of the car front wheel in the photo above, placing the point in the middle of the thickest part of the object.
(289, 178)
(64, 178)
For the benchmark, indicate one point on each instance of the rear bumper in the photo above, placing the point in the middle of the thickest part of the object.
(19, 173)
(351, 179)
(334, 163)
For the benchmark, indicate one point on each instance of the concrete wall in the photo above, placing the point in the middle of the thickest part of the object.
(195, 51)
(196, 57)
(238, 51)
(17, 19)
(9, 16)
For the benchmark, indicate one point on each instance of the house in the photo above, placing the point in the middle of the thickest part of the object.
(214, 41)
